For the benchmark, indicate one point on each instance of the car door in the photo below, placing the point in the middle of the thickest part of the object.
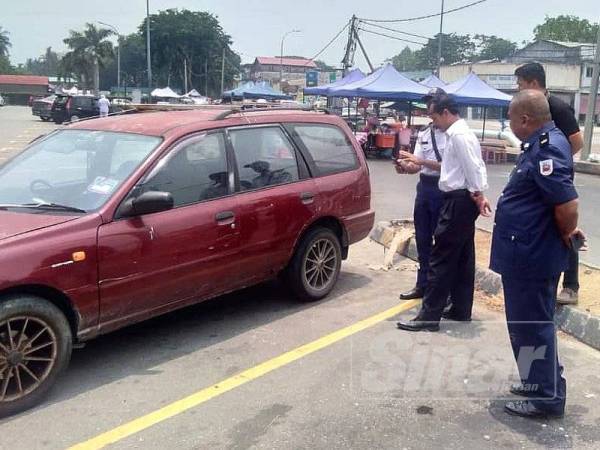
(156, 261)
(276, 197)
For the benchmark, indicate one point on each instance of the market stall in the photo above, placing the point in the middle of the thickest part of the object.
(385, 84)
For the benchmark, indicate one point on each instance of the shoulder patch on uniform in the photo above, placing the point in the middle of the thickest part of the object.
(546, 167)
(544, 140)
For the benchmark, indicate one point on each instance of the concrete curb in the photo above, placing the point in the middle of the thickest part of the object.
(571, 320)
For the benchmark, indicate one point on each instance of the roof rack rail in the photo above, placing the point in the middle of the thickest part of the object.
(243, 110)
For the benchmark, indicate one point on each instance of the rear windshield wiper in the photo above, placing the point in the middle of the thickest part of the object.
(52, 206)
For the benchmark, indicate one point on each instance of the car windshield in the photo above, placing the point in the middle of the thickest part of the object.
(72, 170)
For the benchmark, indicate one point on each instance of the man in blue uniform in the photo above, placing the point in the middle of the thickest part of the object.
(426, 161)
(536, 219)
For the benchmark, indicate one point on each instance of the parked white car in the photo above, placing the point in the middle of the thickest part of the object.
(1, 101)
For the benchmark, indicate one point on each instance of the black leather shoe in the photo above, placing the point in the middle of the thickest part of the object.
(524, 408)
(418, 325)
(522, 390)
(415, 292)
(450, 315)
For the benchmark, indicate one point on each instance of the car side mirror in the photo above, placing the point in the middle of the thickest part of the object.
(147, 203)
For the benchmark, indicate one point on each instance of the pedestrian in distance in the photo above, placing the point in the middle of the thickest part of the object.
(103, 105)
(533, 76)
(426, 161)
(463, 178)
(535, 223)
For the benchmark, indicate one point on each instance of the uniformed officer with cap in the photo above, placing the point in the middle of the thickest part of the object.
(536, 219)
(426, 160)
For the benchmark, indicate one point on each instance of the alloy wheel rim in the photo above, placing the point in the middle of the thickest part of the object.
(28, 352)
(320, 264)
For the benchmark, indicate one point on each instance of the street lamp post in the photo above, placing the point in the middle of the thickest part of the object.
(148, 44)
(281, 54)
(118, 51)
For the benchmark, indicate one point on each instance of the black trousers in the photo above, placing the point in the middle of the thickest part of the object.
(571, 275)
(428, 203)
(452, 260)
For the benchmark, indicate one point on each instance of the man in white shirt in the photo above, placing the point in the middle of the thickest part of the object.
(426, 161)
(463, 178)
(104, 106)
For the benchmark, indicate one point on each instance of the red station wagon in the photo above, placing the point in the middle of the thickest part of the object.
(111, 221)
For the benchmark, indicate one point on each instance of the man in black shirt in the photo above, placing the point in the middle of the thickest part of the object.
(533, 76)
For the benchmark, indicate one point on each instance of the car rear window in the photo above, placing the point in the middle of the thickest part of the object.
(329, 147)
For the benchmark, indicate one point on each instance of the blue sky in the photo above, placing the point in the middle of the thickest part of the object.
(258, 25)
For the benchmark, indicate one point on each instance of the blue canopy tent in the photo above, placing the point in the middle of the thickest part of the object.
(433, 82)
(472, 90)
(386, 83)
(354, 75)
(251, 90)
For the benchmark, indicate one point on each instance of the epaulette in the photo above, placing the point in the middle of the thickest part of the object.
(544, 140)
(524, 146)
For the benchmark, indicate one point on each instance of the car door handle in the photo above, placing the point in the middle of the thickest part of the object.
(307, 197)
(225, 217)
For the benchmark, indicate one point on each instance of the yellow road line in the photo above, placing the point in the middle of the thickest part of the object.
(193, 400)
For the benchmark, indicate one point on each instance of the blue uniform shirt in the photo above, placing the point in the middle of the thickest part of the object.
(526, 242)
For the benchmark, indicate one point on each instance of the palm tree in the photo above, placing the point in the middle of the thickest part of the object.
(89, 51)
(4, 42)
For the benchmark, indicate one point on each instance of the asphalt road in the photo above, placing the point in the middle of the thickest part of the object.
(256, 369)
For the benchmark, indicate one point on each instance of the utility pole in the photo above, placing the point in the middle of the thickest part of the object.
(148, 44)
(185, 75)
(588, 130)
(348, 60)
(223, 71)
(439, 58)
(206, 76)
(363, 51)
(118, 51)
(281, 54)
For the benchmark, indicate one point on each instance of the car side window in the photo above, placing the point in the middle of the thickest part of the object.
(329, 147)
(194, 172)
(264, 157)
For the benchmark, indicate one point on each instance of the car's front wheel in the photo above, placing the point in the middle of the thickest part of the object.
(316, 264)
(35, 346)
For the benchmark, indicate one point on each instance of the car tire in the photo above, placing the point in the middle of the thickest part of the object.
(74, 118)
(36, 347)
(315, 266)
(58, 121)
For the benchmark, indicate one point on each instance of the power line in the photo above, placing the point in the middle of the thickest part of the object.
(411, 19)
(395, 30)
(391, 37)
(330, 42)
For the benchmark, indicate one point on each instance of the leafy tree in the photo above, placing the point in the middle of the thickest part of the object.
(455, 48)
(493, 47)
(323, 66)
(567, 28)
(89, 51)
(47, 64)
(5, 67)
(133, 64)
(193, 37)
(4, 42)
(406, 60)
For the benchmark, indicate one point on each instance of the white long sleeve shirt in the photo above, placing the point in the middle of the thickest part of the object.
(462, 165)
(424, 148)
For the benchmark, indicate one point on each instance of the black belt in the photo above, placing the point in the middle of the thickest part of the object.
(429, 179)
(458, 193)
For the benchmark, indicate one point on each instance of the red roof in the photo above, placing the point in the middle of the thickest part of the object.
(275, 61)
(24, 79)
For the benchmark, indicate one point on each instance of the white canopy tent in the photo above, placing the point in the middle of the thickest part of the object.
(165, 93)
